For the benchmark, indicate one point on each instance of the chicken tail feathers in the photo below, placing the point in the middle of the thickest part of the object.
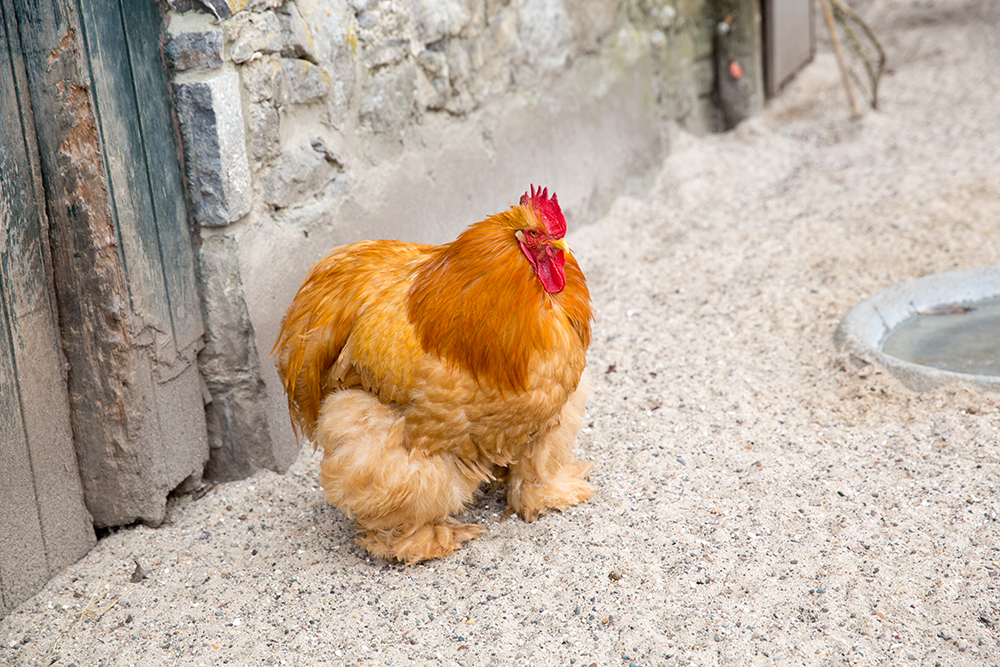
(316, 346)
(310, 344)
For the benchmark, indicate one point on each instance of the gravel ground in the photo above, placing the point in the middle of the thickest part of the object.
(759, 498)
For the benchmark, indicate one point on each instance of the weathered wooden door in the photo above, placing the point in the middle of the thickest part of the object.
(43, 522)
(92, 204)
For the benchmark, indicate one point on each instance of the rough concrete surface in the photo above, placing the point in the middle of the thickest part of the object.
(758, 498)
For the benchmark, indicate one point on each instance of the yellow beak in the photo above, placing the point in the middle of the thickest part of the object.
(561, 244)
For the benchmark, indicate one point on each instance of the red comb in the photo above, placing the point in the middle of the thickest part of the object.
(548, 209)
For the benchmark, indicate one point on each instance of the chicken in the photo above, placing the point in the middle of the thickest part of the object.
(424, 371)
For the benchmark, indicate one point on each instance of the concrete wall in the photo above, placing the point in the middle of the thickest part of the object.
(313, 123)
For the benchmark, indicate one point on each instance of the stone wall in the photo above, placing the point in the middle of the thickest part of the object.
(312, 123)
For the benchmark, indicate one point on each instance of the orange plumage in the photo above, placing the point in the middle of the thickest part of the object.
(423, 371)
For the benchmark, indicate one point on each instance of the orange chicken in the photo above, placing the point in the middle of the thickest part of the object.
(424, 371)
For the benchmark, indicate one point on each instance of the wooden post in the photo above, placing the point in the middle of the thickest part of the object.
(738, 59)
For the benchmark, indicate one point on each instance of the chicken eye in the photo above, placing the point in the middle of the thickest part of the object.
(533, 233)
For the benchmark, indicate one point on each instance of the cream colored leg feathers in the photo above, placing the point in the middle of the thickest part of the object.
(548, 475)
(402, 500)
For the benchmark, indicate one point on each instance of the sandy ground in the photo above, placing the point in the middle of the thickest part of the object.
(759, 498)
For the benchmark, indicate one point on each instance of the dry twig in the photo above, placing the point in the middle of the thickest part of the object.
(837, 12)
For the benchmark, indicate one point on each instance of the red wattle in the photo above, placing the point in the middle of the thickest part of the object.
(549, 266)
(550, 269)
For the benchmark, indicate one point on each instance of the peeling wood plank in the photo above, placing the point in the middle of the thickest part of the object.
(67, 530)
(144, 32)
(23, 567)
(128, 180)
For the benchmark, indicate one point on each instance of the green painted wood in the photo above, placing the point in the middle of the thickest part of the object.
(23, 569)
(23, 566)
(137, 131)
(144, 31)
(121, 141)
(67, 528)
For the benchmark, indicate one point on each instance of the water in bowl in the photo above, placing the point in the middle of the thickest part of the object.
(962, 342)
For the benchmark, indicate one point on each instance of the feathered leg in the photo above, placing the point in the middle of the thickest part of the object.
(548, 475)
(402, 500)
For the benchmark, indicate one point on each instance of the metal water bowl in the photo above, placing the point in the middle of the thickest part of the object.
(931, 331)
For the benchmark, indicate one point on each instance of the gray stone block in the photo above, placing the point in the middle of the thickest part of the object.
(434, 63)
(387, 100)
(389, 52)
(296, 175)
(368, 19)
(211, 121)
(194, 50)
(302, 82)
(433, 82)
(270, 32)
(262, 34)
(298, 39)
(238, 431)
(262, 79)
(331, 25)
(545, 33)
(460, 76)
(437, 19)
(265, 132)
